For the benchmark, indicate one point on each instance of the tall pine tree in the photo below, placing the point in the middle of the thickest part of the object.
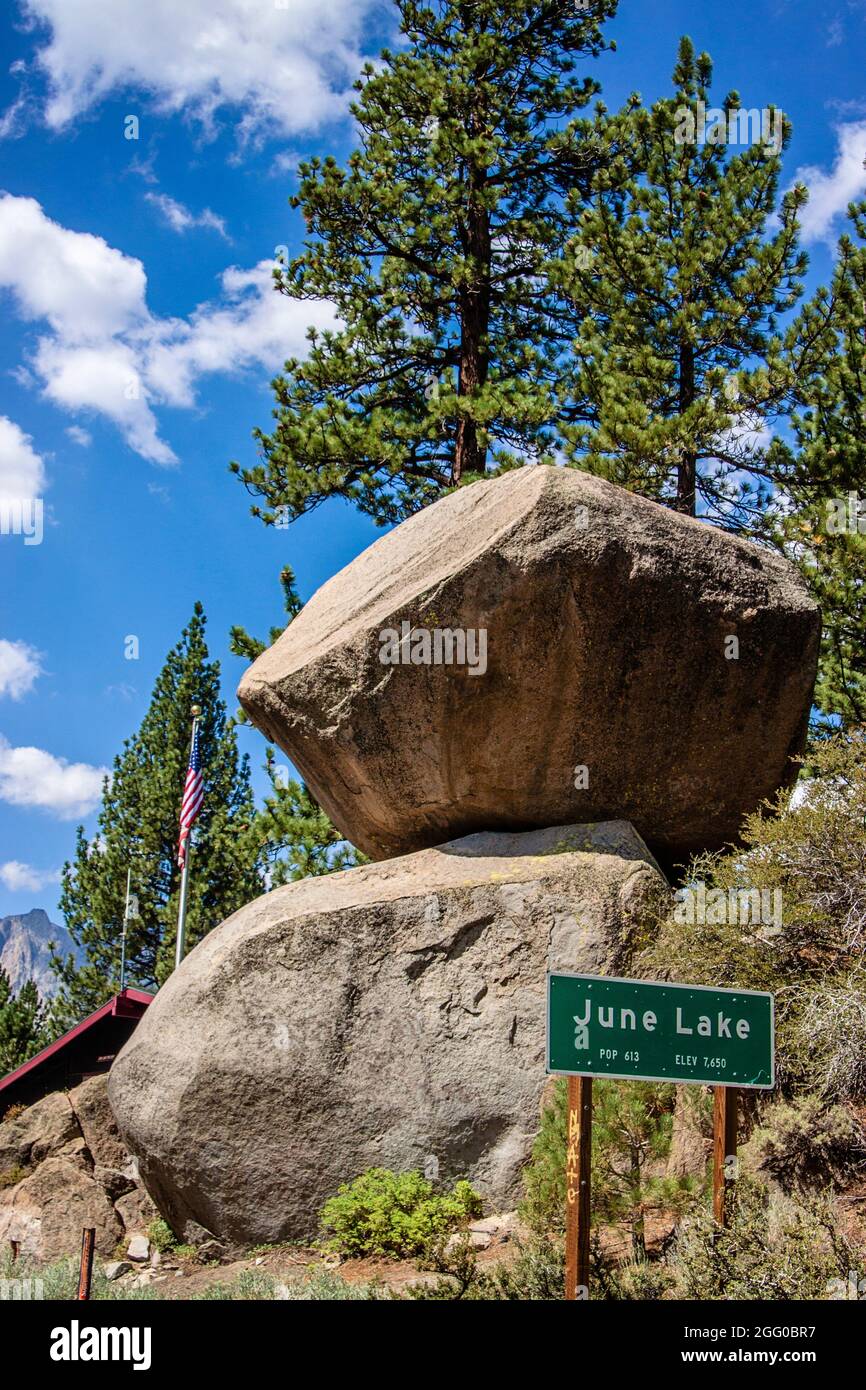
(22, 1023)
(138, 828)
(431, 246)
(826, 526)
(678, 282)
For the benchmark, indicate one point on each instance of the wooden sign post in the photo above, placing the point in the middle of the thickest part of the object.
(85, 1274)
(724, 1150)
(640, 1030)
(578, 1167)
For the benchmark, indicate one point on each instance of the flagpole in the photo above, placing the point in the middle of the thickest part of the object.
(184, 879)
(123, 936)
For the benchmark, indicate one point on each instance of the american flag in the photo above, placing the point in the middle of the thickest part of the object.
(193, 796)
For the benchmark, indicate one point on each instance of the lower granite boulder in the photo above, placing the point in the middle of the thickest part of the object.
(391, 1015)
(48, 1209)
(62, 1168)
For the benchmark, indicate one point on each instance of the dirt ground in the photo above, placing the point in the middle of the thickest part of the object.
(287, 1264)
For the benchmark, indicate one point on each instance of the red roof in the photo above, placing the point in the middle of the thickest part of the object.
(130, 1003)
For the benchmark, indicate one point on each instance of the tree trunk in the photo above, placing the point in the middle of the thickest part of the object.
(638, 1230)
(470, 454)
(687, 468)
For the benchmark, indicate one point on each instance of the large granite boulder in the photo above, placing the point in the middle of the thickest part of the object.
(609, 658)
(392, 1014)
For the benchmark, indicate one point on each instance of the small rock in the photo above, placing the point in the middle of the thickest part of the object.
(155, 1259)
(113, 1181)
(498, 1227)
(479, 1240)
(136, 1210)
(211, 1250)
(138, 1248)
(115, 1269)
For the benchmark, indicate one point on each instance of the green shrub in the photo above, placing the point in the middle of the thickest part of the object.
(256, 1285)
(324, 1286)
(635, 1281)
(251, 1285)
(805, 1141)
(60, 1281)
(830, 1028)
(775, 1248)
(161, 1236)
(543, 1205)
(813, 855)
(538, 1273)
(386, 1213)
(12, 1176)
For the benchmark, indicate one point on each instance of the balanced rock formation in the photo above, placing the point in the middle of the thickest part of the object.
(392, 1014)
(539, 649)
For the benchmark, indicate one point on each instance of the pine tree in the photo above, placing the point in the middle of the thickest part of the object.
(431, 246)
(677, 287)
(296, 837)
(138, 828)
(825, 528)
(22, 1023)
(632, 1123)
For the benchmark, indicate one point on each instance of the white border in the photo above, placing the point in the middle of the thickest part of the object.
(666, 984)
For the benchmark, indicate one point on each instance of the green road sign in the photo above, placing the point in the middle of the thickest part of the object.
(640, 1031)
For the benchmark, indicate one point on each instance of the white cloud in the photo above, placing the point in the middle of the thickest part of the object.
(22, 878)
(105, 377)
(22, 473)
(77, 282)
(252, 326)
(180, 219)
(106, 352)
(747, 434)
(20, 665)
(80, 436)
(287, 65)
(831, 192)
(32, 777)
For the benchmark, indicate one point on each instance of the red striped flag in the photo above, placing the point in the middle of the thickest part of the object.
(193, 796)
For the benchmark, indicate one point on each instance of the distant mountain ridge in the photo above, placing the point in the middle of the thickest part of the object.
(24, 953)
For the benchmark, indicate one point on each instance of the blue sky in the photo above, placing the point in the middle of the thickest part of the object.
(140, 333)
